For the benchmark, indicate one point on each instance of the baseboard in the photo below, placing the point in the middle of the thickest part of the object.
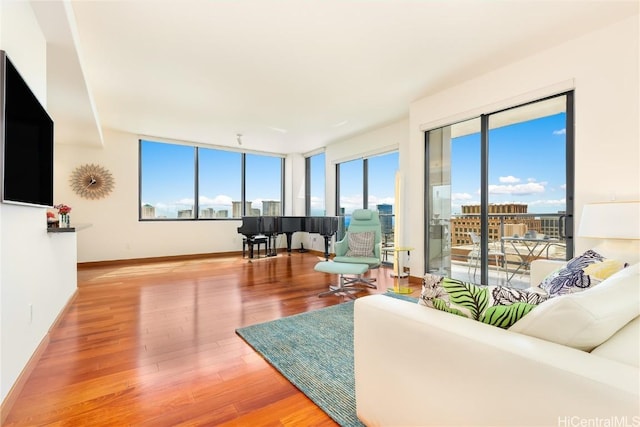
(17, 387)
(118, 262)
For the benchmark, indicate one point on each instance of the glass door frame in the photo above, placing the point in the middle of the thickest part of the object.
(566, 220)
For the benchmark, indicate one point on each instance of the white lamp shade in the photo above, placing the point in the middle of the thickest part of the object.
(611, 220)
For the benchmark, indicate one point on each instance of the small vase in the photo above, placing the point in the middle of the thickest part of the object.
(64, 220)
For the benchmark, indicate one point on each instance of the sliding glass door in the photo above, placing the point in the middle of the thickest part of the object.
(499, 191)
(453, 176)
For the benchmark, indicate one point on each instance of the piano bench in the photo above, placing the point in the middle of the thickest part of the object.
(262, 240)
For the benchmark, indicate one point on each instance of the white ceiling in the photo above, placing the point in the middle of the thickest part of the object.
(289, 75)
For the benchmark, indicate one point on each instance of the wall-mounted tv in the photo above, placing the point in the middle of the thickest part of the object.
(26, 134)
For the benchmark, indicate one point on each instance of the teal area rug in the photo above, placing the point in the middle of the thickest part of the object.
(314, 351)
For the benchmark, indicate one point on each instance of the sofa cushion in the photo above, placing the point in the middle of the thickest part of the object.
(580, 273)
(361, 244)
(495, 305)
(584, 320)
(622, 346)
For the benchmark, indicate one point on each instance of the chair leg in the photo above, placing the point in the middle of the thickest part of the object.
(366, 281)
(348, 285)
(343, 287)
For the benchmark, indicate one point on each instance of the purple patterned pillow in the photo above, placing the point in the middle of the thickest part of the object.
(573, 277)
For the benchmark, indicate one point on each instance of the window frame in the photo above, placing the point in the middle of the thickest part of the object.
(196, 186)
(567, 219)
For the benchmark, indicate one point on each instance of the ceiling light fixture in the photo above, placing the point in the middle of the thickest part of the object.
(239, 138)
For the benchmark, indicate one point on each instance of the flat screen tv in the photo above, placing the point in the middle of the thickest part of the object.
(26, 133)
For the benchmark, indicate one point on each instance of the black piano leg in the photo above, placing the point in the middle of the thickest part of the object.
(271, 250)
(250, 243)
(289, 242)
(326, 248)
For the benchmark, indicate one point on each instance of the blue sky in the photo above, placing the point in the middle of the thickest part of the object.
(381, 176)
(526, 165)
(168, 177)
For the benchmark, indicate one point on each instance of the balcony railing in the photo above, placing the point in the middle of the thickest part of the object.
(521, 238)
(450, 244)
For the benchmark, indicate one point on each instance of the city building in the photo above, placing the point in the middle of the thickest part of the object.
(550, 225)
(385, 211)
(271, 208)
(502, 222)
(236, 208)
(148, 211)
(207, 213)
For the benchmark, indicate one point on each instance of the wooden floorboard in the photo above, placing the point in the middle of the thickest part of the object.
(154, 343)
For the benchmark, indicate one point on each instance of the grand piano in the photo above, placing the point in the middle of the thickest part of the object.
(271, 226)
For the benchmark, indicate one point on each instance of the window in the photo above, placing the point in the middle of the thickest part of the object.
(181, 182)
(381, 189)
(315, 185)
(263, 177)
(167, 188)
(371, 180)
(350, 186)
(219, 183)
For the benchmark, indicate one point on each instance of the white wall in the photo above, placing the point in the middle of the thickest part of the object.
(382, 140)
(115, 232)
(603, 67)
(37, 269)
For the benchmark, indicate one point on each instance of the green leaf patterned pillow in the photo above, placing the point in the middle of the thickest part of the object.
(495, 305)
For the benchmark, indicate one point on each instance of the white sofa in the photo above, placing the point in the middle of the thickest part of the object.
(417, 366)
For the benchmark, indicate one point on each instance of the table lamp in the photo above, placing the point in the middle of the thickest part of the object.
(616, 222)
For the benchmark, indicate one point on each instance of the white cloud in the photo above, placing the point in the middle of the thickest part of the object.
(509, 179)
(186, 201)
(375, 200)
(563, 186)
(219, 200)
(461, 196)
(317, 202)
(552, 202)
(351, 202)
(560, 132)
(519, 189)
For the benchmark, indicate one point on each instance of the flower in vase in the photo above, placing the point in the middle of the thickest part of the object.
(63, 209)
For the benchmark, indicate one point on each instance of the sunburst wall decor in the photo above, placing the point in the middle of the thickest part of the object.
(92, 181)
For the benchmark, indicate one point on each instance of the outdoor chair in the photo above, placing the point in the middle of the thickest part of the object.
(473, 259)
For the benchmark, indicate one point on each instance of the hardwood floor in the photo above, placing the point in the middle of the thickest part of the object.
(154, 344)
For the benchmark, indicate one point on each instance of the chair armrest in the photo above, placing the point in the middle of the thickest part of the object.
(341, 247)
(377, 250)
